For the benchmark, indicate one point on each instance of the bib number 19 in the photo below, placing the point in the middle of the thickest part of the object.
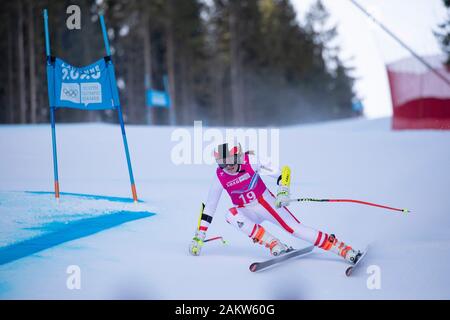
(247, 197)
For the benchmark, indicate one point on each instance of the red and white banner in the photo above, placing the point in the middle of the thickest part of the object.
(420, 98)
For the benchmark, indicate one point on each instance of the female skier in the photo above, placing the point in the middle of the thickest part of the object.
(254, 203)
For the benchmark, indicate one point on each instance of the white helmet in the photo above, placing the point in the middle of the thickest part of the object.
(225, 157)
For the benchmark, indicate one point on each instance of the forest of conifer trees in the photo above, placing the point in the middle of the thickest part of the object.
(228, 62)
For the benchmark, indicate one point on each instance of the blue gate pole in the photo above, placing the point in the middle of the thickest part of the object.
(52, 110)
(166, 88)
(105, 35)
(127, 153)
(47, 38)
(119, 111)
(55, 158)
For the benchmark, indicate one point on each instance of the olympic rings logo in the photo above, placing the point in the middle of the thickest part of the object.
(72, 93)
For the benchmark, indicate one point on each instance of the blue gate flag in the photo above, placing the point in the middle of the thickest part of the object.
(89, 88)
(157, 98)
(357, 106)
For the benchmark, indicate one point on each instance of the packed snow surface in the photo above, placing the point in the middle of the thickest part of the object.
(148, 258)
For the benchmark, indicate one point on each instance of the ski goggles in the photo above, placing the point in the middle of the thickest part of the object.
(229, 162)
(226, 165)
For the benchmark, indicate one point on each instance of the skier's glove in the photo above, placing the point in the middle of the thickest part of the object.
(282, 198)
(197, 243)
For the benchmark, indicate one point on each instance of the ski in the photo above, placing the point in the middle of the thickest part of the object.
(349, 270)
(258, 266)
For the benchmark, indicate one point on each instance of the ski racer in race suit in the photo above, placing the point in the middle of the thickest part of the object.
(254, 203)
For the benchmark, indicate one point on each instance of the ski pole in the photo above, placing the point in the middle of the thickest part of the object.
(349, 200)
(202, 208)
(216, 238)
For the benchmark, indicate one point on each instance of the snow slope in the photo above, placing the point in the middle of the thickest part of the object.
(25, 215)
(148, 259)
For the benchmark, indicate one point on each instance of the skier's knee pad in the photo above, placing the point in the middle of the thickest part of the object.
(240, 221)
(230, 215)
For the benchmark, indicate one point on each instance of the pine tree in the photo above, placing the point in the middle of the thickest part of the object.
(332, 77)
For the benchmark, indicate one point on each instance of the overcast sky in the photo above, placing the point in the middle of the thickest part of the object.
(360, 39)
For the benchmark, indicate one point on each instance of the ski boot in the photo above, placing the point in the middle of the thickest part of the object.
(265, 238)
(340, 248)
